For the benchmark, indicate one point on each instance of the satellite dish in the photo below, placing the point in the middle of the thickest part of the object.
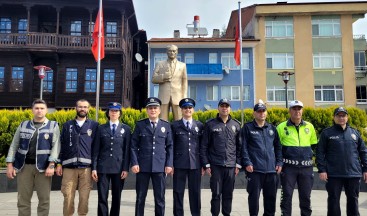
(207, 107)
(138, 57)
(226, 69)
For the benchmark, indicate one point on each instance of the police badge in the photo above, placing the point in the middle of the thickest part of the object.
(46, 136)
(233, 128)
(163, 129)
(354, 137)
(122, 131)
(196, 129)
(89, 132)
(271, 132)
(307, 130)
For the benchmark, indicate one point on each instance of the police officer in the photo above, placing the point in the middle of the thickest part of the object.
(297, 137)
(186, 162)
(151, 157)
(220, 155)
(262, 159)
(77, 137)
(111, 158)
(341, 161)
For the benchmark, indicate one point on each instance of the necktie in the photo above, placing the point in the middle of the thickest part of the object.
(153, 125)
(113, 129)
(188, 125)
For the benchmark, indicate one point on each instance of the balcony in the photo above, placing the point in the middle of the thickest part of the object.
(361, 71)
(52, 41)
(204, 71)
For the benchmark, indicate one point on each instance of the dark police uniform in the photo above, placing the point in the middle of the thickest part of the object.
(111, 156)
(152, 150)
(342, 155)
(186, 162)
(261, 149)
(221, 150)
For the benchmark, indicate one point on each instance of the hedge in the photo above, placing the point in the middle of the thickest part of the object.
(319, 117)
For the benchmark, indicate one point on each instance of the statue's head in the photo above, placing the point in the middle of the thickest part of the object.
(172, 51)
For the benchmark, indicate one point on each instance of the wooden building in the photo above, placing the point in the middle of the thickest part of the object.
(57, 34)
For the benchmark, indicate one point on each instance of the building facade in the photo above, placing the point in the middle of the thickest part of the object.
(314, 41)
(57, 34)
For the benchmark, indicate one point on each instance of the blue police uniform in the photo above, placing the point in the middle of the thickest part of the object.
(186, 162)
(111, 156)
(152, 151)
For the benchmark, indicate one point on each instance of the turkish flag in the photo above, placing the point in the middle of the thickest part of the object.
(237, 47)
(95, 35)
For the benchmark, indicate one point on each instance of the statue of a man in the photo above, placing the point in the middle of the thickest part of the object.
(171, 76)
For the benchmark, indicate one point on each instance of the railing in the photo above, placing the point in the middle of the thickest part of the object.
(359, 37)
(48, 40)
(360, 69)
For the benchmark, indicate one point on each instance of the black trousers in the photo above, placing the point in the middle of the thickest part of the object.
(303, 176)
(117, 184)
(194, 185)
(159, 189)
(222, 185)
(268, 183)
(334, 188)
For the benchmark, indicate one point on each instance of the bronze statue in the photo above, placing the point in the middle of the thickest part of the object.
(171, 76)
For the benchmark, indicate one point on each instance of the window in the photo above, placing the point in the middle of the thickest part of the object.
(279, 61)
(233, 92)
(48, 81)
(109, 81)
(359, 59)
(192, 92)
(277, 94)
(71, 80)
(5, 25)
(155, 90)
(212, 93)
(2, 79)
(332, 93)
(76, 28)
(22, 26)
(159, 57)
(327, 60)
(213, 58)
(227, 60)
(16, 84)
(361, 94)
(325, 27)
(111, 29)
(279, 28)
(91, 27)
(90, 80)
(189, 58)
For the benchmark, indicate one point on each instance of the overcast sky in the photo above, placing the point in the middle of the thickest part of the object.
(160, 17)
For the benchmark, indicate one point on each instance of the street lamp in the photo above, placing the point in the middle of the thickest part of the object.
(285, 77)
(41, 74)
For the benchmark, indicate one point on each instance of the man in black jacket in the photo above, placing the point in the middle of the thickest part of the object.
(186, 162)
(341, 161)
(262, 158)
(220, 155)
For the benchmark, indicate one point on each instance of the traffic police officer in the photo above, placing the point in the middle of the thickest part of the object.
(262, 158)
(220, 155)
(297, 137)
(341, 160)
(186, 162)
(111, 158)
(77, 137)
(151, 157)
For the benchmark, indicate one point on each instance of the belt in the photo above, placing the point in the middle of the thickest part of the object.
(30, 161)
(298, 163)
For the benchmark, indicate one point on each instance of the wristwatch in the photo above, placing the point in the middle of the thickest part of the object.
(51, 166)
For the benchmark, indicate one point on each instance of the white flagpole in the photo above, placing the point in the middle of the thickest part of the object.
(241, 72)
(99, 57)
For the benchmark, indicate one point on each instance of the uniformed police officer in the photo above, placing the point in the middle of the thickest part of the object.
(262, 158)
(151, 156)
(220, 155)
(111, 158)
(186, 162)
(297, 137)
(77, 137)
(342, 161)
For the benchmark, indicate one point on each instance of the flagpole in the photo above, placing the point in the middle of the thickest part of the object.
(241, 71)
(99, 57)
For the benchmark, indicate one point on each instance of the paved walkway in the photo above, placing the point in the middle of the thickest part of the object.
(8, 203)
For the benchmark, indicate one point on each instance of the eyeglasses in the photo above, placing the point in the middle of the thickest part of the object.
(187, 107)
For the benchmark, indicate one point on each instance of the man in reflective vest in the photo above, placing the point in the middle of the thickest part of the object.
(31, 157)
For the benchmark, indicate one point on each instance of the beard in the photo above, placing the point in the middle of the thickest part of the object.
(81, 114)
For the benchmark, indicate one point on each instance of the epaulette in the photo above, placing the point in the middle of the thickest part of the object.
(212, 119)
(237, 121)
(142, 119)
(163, 120)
